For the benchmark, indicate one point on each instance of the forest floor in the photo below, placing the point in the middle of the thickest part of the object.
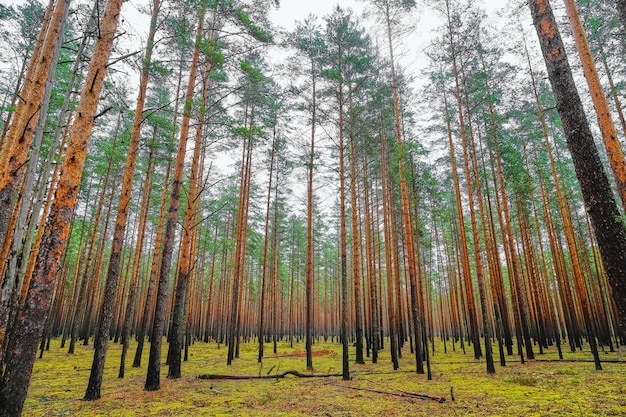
(543, 387)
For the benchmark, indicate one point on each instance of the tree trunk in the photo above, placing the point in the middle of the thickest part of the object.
(17, 143)
(189, 230)
(309, 228)
(356, 240)
(467, 275)
(153, 380)
(23, 346)
(143, 219)
(261, 334)
(607, 128)
(598, 197)
(12, 280)
(113, 274)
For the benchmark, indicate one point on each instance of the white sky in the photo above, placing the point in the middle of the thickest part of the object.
(410, 53)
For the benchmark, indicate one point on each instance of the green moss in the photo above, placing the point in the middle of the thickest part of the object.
(534, 388)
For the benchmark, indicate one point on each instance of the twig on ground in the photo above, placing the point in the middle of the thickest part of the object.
(275, 376)
(397, 394)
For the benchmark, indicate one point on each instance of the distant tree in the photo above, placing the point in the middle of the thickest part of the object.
(308, 41)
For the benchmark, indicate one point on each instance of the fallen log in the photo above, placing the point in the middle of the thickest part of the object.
(404, 394)
(274, 376)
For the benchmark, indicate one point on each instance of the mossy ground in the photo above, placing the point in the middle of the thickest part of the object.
(536, 388)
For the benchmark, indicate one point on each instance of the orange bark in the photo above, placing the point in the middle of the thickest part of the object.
(23, 345)
(15, 149)
(609, 134)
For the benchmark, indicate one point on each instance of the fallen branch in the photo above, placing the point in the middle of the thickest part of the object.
(275, 376)
(397, 394)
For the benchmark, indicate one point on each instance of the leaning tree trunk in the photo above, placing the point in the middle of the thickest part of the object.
(12, 281)
(599, 200)
(113, 273)
(15, 149)
(31, 317)
(605, 121)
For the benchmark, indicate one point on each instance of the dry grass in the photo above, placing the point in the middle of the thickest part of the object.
(533, 389)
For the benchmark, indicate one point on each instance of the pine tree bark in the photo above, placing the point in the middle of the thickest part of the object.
(599, 201)
(607, 127)
(12, 280)
(469, 291)
(143, 218)
(356, 240)
(406, 207)
(17, 143)
(106, 315)
(31, 317)
(153, 377)
(189, 230)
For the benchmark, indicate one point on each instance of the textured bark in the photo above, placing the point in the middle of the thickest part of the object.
(12, 280)
(31, 317)
(614, 91)
(599, 200)
(17, 143)
(134, 279)
(48, 174)
(187, 252)
(113, 273)
(153, 380)
(607, 128)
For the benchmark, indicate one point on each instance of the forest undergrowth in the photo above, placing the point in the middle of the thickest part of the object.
(543, 387)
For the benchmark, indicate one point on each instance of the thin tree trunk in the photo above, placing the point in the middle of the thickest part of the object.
(261, 334)
(189, 230)
(153, 382)
(471, 303)
(113, 274)
(143, 217)
(356, 242)
(309, 228)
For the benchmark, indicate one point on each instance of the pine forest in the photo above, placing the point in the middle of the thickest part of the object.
(293, 208)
